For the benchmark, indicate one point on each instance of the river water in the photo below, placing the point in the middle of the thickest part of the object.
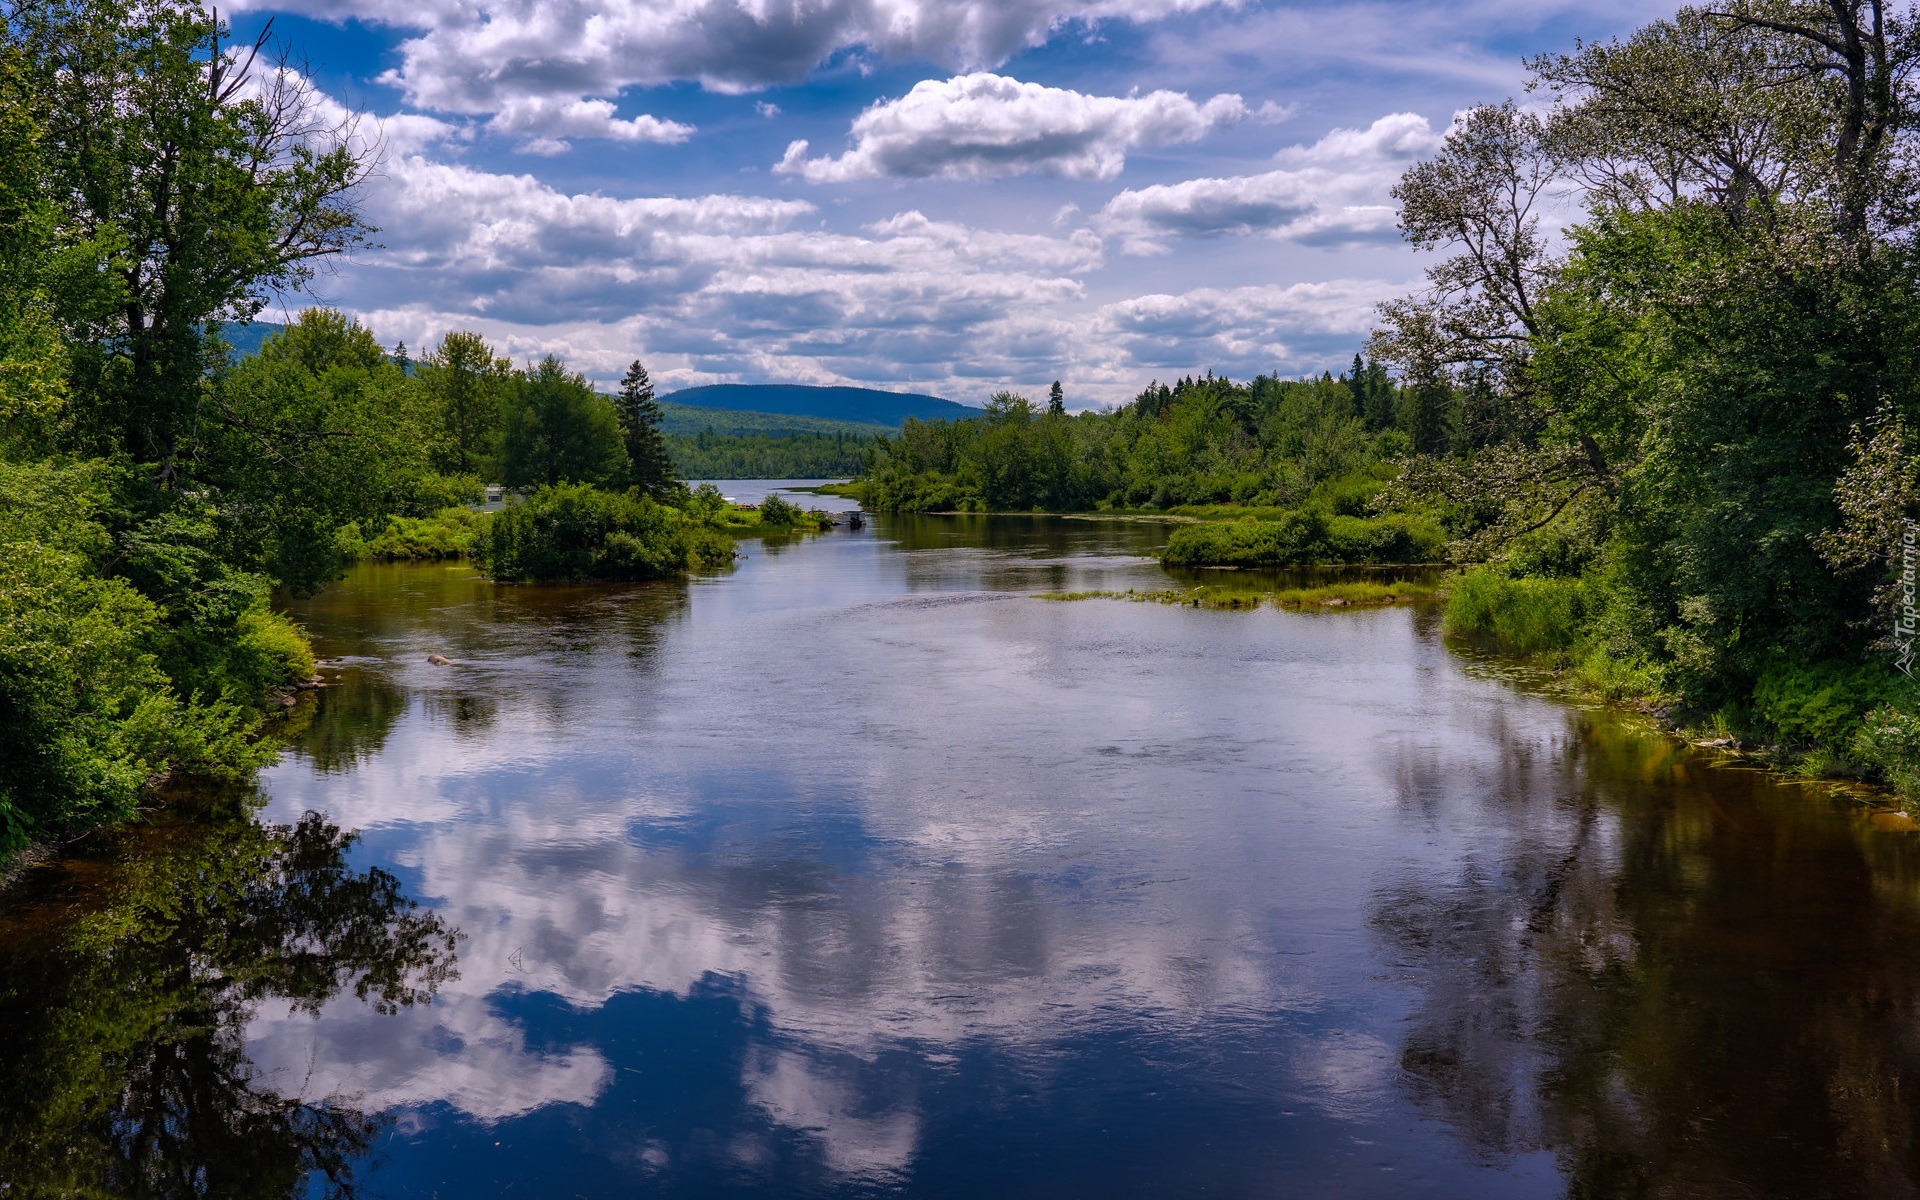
(858, 870)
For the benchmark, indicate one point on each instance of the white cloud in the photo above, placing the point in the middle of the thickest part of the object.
(728, 287)
(547, 123)
(984, 126)
(474, 57)
(1267, 328)
(1334, 191)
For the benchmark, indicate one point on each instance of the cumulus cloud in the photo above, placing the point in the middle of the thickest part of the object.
(472, 58)
(727, 287)
(984, 126)
(1334, 191)
(724, 284)
(1267, 328)
(724, 287)
(548, 123)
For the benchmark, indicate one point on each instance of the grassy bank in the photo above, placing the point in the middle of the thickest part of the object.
(1846, 719)
(1362, 594)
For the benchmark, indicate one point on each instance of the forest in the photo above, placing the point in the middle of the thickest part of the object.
(711, 455)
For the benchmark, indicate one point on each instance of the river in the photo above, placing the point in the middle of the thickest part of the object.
(857, 870)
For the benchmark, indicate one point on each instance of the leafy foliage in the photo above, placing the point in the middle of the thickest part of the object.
(1198, 441)
(554, 429)
(578, 532)
(89, 710)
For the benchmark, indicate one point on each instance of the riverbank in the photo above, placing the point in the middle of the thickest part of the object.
(1362, 594)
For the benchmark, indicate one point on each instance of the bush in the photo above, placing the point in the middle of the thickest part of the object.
(449, 533)
(1824, 703)
(577, 532)
(1305, 536)
(776, 511)
(87, 715)
(429, 494)
(1525, 616)
(1888, 740)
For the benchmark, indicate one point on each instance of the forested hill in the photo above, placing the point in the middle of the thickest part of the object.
(728, 422)
(247, 339)
(863, 405)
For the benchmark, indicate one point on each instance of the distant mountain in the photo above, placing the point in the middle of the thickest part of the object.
(247, 339)
(867, 406)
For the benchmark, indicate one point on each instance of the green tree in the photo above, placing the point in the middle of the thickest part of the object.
(33, 358)
(316, 431)
(556, 429)
(204, 180)
(1056, 400)
(464, 384)
(649, 463)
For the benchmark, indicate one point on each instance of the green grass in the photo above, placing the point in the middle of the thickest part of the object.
(1331, 596)
(1520, 616)
(1305, 536)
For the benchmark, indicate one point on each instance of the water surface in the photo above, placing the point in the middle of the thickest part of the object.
(858, 871)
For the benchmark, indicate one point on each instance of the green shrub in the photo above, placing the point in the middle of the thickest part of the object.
(1888, 740)
(429, 494)
(87, 716)
(1349, 495)
(577, 532)
(1824, 703)
(449, 533)
(776, 511)
(1394, 538)
(1525, 616)
(1304, 536)
(1297, 537)
(269, 650)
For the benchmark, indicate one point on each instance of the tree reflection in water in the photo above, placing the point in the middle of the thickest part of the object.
(126, 984)
(1681, 981)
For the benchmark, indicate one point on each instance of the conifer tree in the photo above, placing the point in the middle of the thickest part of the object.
(1057, 401)
(650, 466)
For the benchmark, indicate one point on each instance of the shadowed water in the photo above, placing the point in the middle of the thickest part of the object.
(858, 871)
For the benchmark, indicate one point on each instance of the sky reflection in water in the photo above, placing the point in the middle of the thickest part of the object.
(857, 870)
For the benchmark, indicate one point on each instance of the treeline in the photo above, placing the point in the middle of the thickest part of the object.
(1298, 464)
(710, 455)
(1194, 442)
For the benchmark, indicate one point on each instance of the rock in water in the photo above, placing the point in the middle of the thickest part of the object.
(439, 660)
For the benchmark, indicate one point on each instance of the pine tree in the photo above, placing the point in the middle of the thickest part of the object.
(1057, 401)
(650, 467)
(1357, 380)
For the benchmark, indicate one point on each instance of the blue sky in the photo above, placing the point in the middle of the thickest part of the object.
(991, 193)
